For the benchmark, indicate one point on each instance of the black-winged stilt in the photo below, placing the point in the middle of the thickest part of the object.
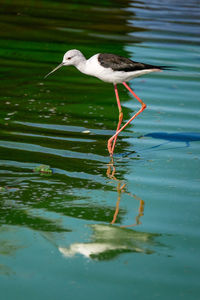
(110, 68)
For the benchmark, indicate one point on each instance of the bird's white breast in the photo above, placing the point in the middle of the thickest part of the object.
(94, 68)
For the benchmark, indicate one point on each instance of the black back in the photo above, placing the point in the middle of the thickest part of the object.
(120, 63)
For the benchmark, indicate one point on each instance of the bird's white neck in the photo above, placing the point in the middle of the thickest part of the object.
(81, 65)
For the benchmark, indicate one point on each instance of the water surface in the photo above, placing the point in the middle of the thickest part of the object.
(91, 226)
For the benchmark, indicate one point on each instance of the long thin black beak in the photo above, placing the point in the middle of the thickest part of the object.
(59, 66)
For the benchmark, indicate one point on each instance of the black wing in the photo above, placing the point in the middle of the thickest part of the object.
(120, 63)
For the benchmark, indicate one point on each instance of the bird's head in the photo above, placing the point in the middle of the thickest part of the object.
(70, 58)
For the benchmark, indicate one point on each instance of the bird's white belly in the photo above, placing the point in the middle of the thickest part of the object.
(109, 75)
(106, 74)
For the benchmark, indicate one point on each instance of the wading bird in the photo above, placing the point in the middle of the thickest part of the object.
(113, 69)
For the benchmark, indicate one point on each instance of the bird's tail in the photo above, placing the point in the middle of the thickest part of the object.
(172, 68)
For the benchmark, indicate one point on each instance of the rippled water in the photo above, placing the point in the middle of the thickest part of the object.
(90, 227)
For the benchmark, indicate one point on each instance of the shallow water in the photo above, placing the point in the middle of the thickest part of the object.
(91, 227)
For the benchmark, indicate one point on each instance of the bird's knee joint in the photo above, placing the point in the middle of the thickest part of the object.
(120, 117)
(144, 105)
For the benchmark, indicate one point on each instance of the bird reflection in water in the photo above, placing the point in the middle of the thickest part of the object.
(121, 188)
(107, 241)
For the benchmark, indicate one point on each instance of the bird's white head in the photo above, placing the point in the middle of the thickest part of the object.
(70, 58)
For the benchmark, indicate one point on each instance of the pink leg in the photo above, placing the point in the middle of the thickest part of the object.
(131, 119)
(120, 116)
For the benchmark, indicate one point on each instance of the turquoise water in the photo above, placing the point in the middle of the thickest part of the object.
(92, 227)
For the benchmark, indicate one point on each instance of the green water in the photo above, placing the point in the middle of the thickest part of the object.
(91, 227)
